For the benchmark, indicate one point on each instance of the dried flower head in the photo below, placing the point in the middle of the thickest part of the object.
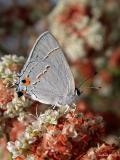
(102, 152)
(79, 25)
(9, 66)
(56, 135)
(10, 104)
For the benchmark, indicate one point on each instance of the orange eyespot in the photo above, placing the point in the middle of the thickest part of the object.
(26, 81)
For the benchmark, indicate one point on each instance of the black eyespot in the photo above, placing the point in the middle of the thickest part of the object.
(19, 94)
(78, 92)
(23, 81)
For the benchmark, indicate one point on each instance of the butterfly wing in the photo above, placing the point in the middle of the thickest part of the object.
(49, 73)
(43, 45)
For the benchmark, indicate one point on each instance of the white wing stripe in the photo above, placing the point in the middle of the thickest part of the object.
(52, 51)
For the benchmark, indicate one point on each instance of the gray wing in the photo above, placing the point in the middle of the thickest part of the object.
(43, 45)
(48, 70)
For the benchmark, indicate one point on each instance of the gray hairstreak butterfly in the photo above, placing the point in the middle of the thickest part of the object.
(46, 75)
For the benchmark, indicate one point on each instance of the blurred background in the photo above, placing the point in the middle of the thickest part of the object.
(89, 33)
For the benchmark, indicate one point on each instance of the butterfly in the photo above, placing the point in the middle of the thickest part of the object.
(46, 76)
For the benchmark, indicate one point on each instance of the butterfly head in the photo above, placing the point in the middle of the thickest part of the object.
(77, 92)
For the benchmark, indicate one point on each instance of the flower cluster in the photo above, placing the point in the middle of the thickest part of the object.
(80, 26)
(89, 32)
(86, 26)
(9, 65)
(11, 107)
(91, 41)
(102, 152)
(58, 136)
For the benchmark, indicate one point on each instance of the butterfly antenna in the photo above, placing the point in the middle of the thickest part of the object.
(88, 78)
(92, 87)
(84, 81)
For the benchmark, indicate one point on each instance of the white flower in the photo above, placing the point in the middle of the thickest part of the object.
(85, 31)
(16, 107)
(9, 59)
(18, 144)
(95, 35)
(35, 130)
(12, 148)
(75, 48)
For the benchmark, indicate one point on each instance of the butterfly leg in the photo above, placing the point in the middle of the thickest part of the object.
(67, 109)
